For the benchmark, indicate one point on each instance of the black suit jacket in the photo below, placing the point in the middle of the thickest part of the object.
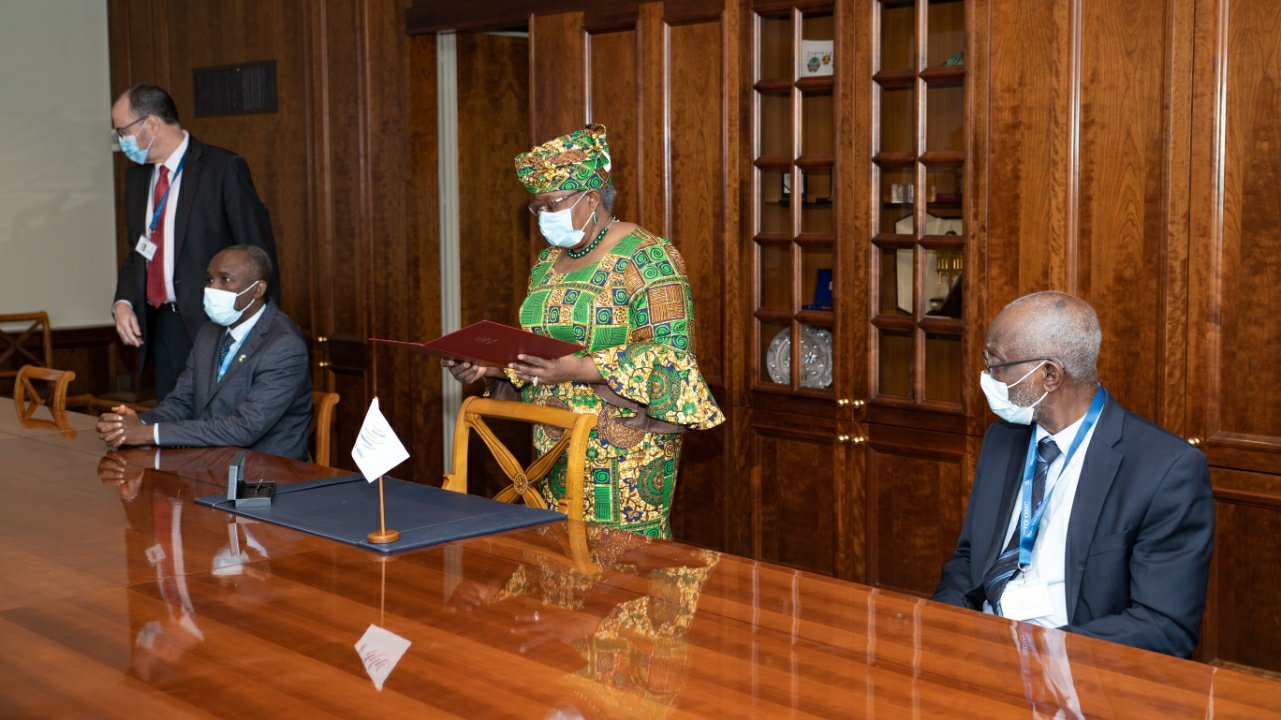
(217, 207)
(1139, 538)
(263, 402)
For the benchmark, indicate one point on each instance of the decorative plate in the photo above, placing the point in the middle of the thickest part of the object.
(816, 357)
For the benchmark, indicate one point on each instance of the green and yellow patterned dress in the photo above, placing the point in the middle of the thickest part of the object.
(633, 312)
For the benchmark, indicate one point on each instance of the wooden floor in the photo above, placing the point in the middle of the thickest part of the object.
(121, 597)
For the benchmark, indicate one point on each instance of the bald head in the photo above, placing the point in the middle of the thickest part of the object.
(1051, 325)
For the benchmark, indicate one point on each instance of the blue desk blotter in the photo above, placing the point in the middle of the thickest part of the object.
(346, 509)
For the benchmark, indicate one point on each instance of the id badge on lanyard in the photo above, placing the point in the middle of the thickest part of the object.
(145, 247)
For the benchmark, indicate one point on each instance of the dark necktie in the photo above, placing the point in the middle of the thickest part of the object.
(1008, 562)
(222, 352)
(156, 292)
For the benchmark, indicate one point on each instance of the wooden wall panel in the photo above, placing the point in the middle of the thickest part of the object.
(1030, 140)
(493, 114)
(557, 76)
(914, 518)
(401, 224)
(1236, 250)
(493, 127)
(613, 90)
(1241, 617)
(1121, 213)
(342, 294)
(651, 182)
(1250, 263)
(697, 180)
(1086, 145)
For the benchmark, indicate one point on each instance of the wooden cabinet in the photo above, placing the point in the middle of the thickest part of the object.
(881, 360)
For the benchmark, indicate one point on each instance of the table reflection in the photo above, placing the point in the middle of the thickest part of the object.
(58, 423)
(578, 589)
(182, 557)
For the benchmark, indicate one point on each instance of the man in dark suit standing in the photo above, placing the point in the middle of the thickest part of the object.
(184, 202)
(1091, 519)
(247, 382)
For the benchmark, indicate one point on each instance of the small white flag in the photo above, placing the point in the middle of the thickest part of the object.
(377, 448)
(380, 650)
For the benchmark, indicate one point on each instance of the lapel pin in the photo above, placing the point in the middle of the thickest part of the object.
(242, 359)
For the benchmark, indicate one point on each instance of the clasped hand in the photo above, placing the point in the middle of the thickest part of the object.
(122, 426)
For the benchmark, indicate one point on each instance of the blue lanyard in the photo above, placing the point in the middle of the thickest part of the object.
(1029, 523)
(164, 199)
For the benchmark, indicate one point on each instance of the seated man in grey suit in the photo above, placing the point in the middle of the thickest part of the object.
(247, 382)
(1084, 516)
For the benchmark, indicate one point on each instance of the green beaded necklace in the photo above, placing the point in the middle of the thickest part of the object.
(576, 254)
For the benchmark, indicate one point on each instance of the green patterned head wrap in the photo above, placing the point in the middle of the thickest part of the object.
(577, 161)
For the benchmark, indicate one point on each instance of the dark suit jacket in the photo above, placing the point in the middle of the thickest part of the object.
(263, 402)
(1139, 538)
(217, 207)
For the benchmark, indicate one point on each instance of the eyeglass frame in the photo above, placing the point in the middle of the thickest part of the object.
(552, 205)
(120, 131)
(1001, 366)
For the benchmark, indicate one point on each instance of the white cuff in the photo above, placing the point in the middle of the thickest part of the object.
(155, 434)
(114, 304)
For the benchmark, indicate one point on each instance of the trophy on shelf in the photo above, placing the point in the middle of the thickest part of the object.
(947, 292)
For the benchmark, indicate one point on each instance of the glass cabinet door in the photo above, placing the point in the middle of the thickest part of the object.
(794, 223)
(919, 175)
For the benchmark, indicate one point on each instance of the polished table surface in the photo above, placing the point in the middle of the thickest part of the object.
(121, 597)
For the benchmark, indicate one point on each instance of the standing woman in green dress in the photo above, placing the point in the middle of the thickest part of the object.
(623, 294)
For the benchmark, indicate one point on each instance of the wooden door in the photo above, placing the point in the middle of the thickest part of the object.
(805, 477)
(1234, 409)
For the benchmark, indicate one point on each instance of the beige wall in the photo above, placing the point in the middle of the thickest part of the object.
(57, 222)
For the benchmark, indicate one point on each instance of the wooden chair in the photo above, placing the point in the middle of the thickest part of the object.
(524, 481)
(26, 398)
(32, 345)
(322, 420)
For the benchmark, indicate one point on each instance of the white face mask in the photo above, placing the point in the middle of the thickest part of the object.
(998, 398)
(220, 305)
(558, 227)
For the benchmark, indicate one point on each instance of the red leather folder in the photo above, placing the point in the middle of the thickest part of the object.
(491, 344)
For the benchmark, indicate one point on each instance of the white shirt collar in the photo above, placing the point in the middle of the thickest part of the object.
(239, 332)
(1062, 438)
(175, 157)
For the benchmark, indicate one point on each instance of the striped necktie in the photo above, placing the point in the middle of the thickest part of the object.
(227, 342)
(1007, 563)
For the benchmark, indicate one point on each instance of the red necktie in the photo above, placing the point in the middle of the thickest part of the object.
(156, 293)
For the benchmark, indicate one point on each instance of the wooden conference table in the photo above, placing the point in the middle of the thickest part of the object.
(121, 597)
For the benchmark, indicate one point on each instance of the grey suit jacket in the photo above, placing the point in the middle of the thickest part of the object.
(263, 402)
(1139, 538)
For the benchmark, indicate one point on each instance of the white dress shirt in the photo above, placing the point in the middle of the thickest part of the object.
(171, 207)
(1049, 554)
(171, 212)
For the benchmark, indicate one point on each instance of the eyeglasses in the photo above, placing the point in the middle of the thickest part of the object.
(542, 206)
(992, 368)
(120, 131)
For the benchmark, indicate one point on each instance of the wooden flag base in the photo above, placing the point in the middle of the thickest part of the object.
(380, 537)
